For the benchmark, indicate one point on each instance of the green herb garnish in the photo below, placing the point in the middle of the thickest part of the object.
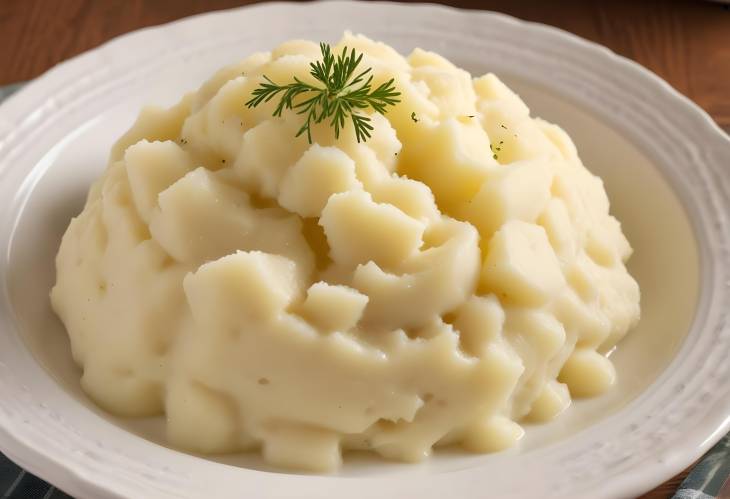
(343, 96)
(413, 117)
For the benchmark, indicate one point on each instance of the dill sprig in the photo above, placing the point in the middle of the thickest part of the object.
(344, 95)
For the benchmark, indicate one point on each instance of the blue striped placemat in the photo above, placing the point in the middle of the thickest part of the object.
(704, 481)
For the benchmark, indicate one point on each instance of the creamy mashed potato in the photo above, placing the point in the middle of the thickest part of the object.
(454, 275)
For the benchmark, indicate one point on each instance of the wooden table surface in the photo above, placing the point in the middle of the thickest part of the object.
(685, 42)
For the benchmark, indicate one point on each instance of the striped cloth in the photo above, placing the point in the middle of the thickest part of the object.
(703, 482)
(16, 483)
(707, 478)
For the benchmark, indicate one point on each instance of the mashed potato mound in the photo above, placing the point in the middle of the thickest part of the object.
(457, 273)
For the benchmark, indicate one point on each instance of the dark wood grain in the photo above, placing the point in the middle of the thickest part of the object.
(685, 42)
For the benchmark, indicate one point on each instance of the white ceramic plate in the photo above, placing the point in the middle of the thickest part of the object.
(665, 164)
